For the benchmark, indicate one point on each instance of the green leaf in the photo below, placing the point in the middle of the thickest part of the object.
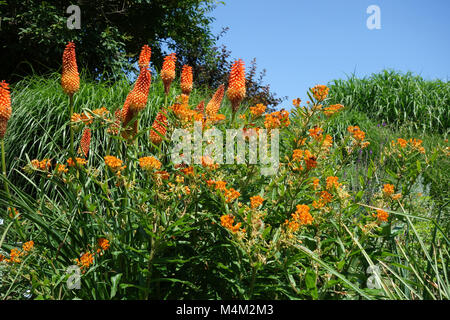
(115, 282)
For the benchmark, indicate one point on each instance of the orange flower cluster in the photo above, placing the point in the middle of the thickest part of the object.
(227, 221)
(415, 144)
(159, 128)
(256, 201)
(316, 183)
(43, 165)
(168, 71)
(144, 57)
(332, 182)
(186, 80)
(61, 168)
(329, 111)
(5, 107)
(328, 141)
(78, 161)
(208, 162)
(320, 92)
(358, 135)
(300, 217)
(231, 195)
(236, 84)
(388, 189)
(13, 212)
(103, 243)
(316, 133)
(16, 254)
(70, 79)
(382, 215)
(114, 164)
(77, 118)
(277, 119)
(189, 171)
(258, 110)
(149, 163)
(185, 113)
(85, 260)
(325, 197)
(296, 102)
(219, 185)
(307, 156)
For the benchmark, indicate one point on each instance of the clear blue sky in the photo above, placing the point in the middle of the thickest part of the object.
(302, 43)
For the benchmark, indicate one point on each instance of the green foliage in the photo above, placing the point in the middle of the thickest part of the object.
(33, 34)
(398, 99)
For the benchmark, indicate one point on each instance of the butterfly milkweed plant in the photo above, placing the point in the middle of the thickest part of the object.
(104, 210)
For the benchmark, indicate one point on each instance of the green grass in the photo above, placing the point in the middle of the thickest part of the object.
(398, 99)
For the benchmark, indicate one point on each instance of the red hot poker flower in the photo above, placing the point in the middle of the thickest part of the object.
(236, 85)
(144, 57)
(70, 79)
(168, 71)
(213, 105)
(159, 126)
(85, 142)
(186, 80)
(5, 107)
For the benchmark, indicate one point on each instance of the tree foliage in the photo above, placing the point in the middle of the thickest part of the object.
(33, 33)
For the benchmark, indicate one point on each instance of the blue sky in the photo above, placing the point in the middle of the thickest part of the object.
(302, 43)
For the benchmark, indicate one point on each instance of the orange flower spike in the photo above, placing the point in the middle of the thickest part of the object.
(213, 106)
(70, 79)
(186, 80)
(137, 98)
(135, 102)
(85, 142)
(168, 71)
(144, 57)
(159, 128)
(5, 107)
(236, 85)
